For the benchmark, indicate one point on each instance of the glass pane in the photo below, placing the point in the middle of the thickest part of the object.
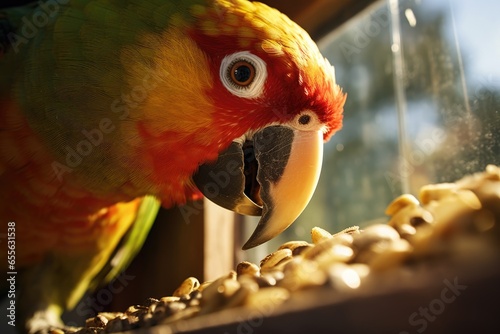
(423, 86)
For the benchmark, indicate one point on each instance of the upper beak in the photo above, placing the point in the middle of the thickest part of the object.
(274, 174)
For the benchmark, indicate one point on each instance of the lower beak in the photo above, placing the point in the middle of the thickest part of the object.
(273, 175)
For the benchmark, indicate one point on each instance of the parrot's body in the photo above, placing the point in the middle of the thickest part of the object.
(108, 108)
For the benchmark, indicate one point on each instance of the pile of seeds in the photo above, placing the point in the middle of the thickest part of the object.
(447, 221)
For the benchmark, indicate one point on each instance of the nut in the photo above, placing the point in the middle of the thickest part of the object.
(275, 258)
(401, 202)
(347, 231)
(266, 300)
(247, 268)
(337, 253)
(389, 254)
(434, 192)
(318, 234)
(118, 324)
(292, 245)
(449, 220)
(97, 321)
(326, 245)
(189, 284)
(343, 277)
(216, 294)
(373, 234)
(302, 273)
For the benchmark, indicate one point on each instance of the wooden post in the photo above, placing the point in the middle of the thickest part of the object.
(219, 226)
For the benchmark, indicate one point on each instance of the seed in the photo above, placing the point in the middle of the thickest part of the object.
(469, 198)
(362, 269)
(169, 299)
(277, 275)
(492, 173)
(210, 293)
(345, 238)
(434, 192)
(248, 268)
(484, 221)
(301, 273)
(110, 315)
(265, 281)
(342, 277)
(97, 321)
(401, 202)
(292, 245)
(266, 300)
(406, 230)
(452, 215)
(326, 245)
(275, 258)
(189, 284)
(160, 312)
(240, 296)
(386, 254)
(269, 278)
(228, 287)
(249, 283)
(301, 249)
(373, 234)
(196, 294)
(175, 307)
(410, 216)
(146, 320)
(318, 234)
(204, 285)
(134, 309)
(347, 231)
(447, 221)
(193, 302)
(118, 324)
(424, 241)
(58, 331)
(424, 218)
(152, 308)
(133, 320)
(216, 294)
(184, 298)
(151, 301)
(337, 253)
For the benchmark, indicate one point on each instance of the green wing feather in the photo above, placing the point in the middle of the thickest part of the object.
(130, 244)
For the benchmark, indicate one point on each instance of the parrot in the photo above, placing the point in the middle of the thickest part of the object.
(111, 109)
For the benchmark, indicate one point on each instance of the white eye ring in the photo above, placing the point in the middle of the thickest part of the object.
(251, 88)
(307, 120)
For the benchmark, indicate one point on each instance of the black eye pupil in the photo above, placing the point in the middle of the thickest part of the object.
(242, 73)
(304, 119)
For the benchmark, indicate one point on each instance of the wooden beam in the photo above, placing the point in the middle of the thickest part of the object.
(219, 226)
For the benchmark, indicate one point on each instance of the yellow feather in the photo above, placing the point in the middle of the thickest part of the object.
(162, 110)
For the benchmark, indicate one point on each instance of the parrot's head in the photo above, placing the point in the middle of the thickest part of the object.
(250, 106)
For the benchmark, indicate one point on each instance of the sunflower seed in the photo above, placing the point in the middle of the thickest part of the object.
(275, 258)
(318, 234)
(247, 268)
(186, 287)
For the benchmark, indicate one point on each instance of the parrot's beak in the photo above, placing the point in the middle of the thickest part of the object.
(273, 174)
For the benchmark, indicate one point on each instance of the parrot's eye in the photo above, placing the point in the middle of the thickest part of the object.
(307, 120)
(243, 74)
